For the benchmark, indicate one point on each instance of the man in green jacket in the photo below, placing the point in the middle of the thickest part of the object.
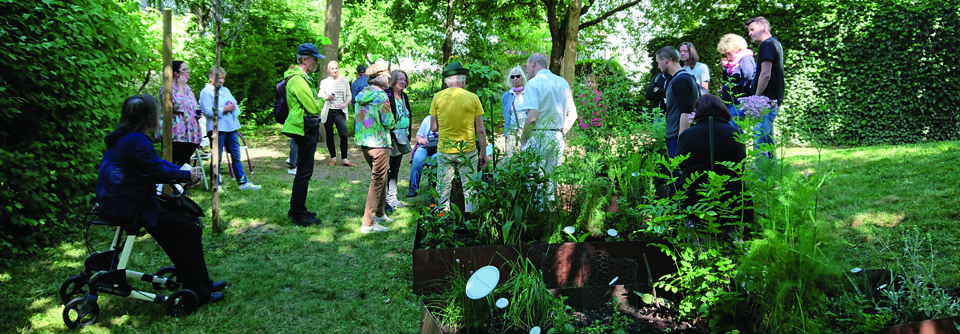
(303, 126)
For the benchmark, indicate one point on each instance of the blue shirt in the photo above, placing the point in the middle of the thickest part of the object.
(228, 122)
(358, 85)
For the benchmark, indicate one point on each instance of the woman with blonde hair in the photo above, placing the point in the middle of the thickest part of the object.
(336, 96)
(513, 117)
(738, 67)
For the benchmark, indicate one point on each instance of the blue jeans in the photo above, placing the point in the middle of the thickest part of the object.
(735, 114)
(420, 159)
(293, 154)
(672, 147)
(232, 141)
(765, 128)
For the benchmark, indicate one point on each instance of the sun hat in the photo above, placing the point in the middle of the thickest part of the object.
(376, 69)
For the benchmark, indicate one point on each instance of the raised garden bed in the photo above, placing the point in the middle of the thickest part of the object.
(563, 265)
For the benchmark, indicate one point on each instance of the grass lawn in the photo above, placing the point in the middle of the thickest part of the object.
(892, 204)
(332, 279)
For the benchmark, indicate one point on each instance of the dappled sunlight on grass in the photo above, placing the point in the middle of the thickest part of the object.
(885, 219)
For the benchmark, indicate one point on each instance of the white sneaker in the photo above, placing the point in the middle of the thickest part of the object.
(249, 186)
(382, 219)
(287, 161)
(292, 171)
(373, 228)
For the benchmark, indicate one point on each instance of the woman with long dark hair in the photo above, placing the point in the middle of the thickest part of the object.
(128, 175)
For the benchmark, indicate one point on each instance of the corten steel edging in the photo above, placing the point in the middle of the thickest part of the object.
(935, 326)
(432, 266)
(428, 323)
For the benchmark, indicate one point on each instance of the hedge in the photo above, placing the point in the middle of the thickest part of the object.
(66, 68)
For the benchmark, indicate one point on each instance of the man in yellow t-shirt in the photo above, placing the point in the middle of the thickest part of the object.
(458, 120)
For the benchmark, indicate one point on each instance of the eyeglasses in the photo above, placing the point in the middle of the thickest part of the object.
(515, 77)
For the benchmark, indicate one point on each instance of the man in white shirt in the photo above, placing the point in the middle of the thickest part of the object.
(550, 115)
(227, 123)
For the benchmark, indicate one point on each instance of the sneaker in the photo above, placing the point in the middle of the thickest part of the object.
(287, 161)
(382, 219)
(395, 203)
(249, 186)
(302, 219)
(373, 228)
(411, 193)
(292, 171)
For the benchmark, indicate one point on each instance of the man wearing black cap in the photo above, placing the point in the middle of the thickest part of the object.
(458, 119)
(361, 81)
(303, 126)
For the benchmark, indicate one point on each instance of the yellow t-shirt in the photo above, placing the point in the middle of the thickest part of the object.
(456, 110)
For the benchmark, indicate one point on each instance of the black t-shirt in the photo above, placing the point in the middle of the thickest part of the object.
(770, 50)
(682, 93)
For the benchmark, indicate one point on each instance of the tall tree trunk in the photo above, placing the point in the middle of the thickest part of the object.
(331, 29)
(448, 40)
(570, 50)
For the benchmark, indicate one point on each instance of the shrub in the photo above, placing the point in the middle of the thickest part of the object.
(66, 69)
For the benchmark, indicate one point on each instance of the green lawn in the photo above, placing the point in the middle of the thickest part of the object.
(883, 198)
(332, 279)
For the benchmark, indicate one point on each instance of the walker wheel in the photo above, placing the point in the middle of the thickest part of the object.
(170, 273)
(73, 287)
(74, 317)
(182, 303)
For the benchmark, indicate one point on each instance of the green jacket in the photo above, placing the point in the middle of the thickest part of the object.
(301, 100)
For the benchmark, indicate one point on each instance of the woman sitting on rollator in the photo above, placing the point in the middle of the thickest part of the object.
(128, 174)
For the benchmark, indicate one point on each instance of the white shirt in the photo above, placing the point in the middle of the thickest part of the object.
(550, 95)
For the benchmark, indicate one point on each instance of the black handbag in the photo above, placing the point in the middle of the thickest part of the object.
(180, 204)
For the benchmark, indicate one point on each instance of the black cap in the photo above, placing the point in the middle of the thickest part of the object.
(361, 69)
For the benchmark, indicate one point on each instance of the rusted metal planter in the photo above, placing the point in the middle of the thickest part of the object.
(564, 265)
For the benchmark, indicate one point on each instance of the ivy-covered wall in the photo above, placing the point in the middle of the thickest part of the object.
(857, 72)
(66, 68)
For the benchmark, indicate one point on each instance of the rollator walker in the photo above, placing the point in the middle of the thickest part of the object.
(106, 272)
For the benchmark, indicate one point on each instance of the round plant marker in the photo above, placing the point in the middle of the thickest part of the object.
(535, 330)
(502, 302)
(611, 232)
(482, 282)
(569, 229)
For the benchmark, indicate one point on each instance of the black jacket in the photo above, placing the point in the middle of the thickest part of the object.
(696, 142)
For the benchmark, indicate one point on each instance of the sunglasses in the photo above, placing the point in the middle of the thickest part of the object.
(515, 77)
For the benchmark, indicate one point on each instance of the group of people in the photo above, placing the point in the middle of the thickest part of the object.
(188, 131)
(681, 89)
(538, 113)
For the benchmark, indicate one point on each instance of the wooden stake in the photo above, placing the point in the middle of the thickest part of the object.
(167, 97)
(215, 140)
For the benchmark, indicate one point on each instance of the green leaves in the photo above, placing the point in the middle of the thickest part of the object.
(51, 144)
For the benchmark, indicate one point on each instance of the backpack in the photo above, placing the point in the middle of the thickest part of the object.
(280, 107)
